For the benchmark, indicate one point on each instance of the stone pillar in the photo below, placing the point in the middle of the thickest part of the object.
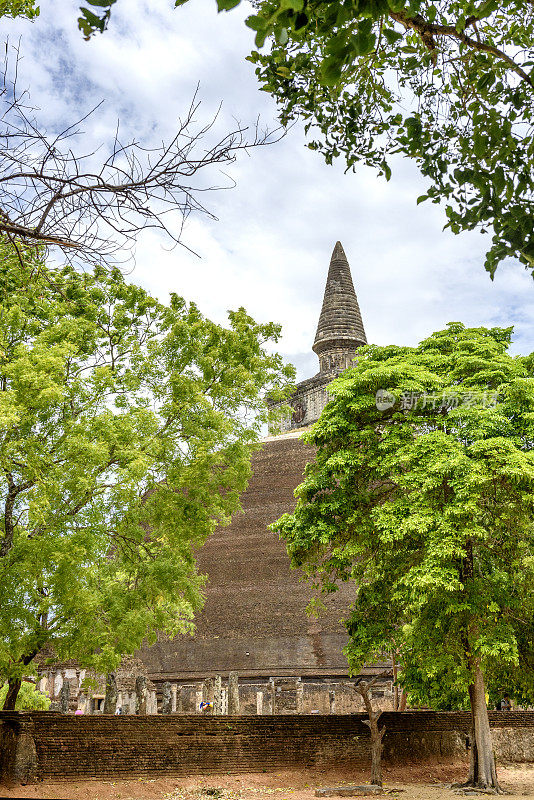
(84, 703)
(64, 697)
(199, 698)
(299, 697)
(110, 700)
(332, 699)
(273, 695)
(141, 695)
(179, 700)
(207, 693)
(259, 703)
(57, 685)
(167, 702)
(132, 703)
(233, 693)
(174, 702)
(217, 695)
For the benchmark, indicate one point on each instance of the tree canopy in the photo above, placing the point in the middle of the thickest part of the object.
(126, 428)
(422, 494)
(447, 83)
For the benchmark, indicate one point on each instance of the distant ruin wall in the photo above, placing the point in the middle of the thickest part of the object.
(58, 746)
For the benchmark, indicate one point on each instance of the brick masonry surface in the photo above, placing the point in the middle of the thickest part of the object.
(70, 747)
(254, 619)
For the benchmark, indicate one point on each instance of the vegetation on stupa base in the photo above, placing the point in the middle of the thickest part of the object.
(446, 83)
(126, 429)
(422, 494)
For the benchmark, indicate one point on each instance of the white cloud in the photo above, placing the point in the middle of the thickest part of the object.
(270, 248)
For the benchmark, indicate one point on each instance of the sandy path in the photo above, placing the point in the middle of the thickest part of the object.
(416, 783)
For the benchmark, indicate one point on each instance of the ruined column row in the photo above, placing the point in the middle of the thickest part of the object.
(135, 693)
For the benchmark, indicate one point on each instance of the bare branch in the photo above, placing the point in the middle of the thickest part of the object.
(92, 208)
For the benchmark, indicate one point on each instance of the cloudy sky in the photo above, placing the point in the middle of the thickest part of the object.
(270, 246)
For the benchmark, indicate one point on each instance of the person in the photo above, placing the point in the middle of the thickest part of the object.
(78, 712)
(205, 705)
(118, 710)
(505, 704)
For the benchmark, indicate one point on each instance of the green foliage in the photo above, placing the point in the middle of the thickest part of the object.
(19, 8)
(95, 18)
(447, 84)
(427, 507)
(126, 428)
(29, 698)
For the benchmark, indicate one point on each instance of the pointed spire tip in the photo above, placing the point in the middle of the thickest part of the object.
(338, 252)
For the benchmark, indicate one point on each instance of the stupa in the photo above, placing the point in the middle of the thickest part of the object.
(254, 622)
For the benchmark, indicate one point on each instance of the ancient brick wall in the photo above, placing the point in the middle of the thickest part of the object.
(71, 747)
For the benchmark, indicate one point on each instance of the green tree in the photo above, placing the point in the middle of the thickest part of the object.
(423, 496)
(29, 698)
(447, 83)
(126, 428)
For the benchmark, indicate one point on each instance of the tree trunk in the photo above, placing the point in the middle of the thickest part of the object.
(377, 734)
(485, 775)
(395, 684)
(376, 754)
(13, 688)
(472, 743)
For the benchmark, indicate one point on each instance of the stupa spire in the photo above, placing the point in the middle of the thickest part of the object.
(340, 330)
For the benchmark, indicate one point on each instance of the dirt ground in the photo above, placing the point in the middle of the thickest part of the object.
(401, 783)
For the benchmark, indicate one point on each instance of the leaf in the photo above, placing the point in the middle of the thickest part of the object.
(479, 145)
(486, 8)
(91, 21)
(331, 70)
(499, 180)
(227, 5)
(363, 43)
(284, 72)
(282, 37)
(294, 5)
(486, 80)
(392, 36)
(257, 23)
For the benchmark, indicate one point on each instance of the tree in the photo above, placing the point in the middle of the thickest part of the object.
(422, 494)
(29, 698)
(62, 195)
(447, 83)
(126, 428)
